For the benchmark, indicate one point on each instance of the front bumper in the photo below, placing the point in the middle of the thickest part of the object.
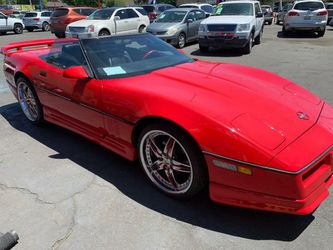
(299, 191)
(228, 41)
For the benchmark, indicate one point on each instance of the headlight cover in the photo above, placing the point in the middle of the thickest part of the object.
(90, 28)
(203, 27)
(243, 27)
(172, 31)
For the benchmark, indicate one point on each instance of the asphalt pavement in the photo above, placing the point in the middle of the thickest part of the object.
(61, 191)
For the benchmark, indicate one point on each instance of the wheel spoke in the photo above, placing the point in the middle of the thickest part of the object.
(154, 148)
(156, 166)
(169, 146)
(171, 178)
(181, 167)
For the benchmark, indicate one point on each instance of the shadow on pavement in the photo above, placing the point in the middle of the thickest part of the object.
(298, 34)
(219, 52)
(130, 180)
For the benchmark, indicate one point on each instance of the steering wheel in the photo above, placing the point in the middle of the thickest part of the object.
(151, 53)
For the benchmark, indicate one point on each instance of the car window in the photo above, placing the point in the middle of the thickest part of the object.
(189, 6)
(2, 16)
(149, 8)
(191, 15)
(161, 8)
(46, 14)
(171, 16)
(257, 8)
(59, 12)
(131, 13)
(207, 8)
(234, 9)
(86, 12)
(122, 14)
(167, 7)
(65, 55)
(30, 14)
(142, 11)
(103, 14)
(329, 6)
(199, 15)
(309, 6)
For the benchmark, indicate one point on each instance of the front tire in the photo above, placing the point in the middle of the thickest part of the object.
(248, 47)
(257, 40)
(172, 161)
(104, 33)
(181, 41)
(18, 28)
(45, 26)
(29, 102)
(142, 28)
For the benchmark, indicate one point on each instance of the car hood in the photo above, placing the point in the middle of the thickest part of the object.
(227, 20)
(161, 26)
(86, 23)
(262, 107)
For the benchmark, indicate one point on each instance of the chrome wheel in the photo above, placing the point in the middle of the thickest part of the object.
(28, 101)
(181, 40)
(166, 162)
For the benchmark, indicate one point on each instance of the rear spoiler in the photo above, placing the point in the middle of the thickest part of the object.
(30, 45)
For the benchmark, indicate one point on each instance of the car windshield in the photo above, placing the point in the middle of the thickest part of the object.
(309, 6)
(123, 56)
(234, 9)
(103, 14)
(171, 16)
(30, 14)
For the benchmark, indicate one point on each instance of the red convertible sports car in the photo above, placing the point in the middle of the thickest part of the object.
(258, 140)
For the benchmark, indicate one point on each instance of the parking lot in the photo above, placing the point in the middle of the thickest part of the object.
(59, 190)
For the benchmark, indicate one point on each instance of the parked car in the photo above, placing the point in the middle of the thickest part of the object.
(177, 26)
(207, 8)
(10, 24)
(63, 16)
(329, 7)
(18, 14)
(268, 13)
(154, 10)
(109, 21)
(283, 12)
(6, 9)
(234, 24)
(192, 124)
(306, 15)
(37, 20)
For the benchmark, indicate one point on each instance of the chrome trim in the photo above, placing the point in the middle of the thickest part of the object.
(9, 66)
(273, 169)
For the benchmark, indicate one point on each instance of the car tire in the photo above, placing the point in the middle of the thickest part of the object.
(142, 28)
(45, 26)
(284, 31)
(248, 47)
(270, 22)
(104, 32)
(30, 29)
(172, 161)
(321, 33)
(203, 48)
(18, 28)
(60, 35)
(257, 40)
(29, 102)
(181, 40)
(3, 33)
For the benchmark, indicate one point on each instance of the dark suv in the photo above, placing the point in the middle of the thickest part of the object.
(61, 17)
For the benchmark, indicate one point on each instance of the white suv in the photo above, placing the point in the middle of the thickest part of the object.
(306, 15)
(10, 24)
(234, 24)
(109, 21)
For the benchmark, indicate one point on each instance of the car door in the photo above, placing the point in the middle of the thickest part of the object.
(259, 20)
(72, 103)
(191, 26)
(122, 25)
(133, 20)
(199, 16)
(3, 22)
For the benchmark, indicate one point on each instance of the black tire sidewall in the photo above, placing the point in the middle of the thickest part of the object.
(199, 169)
(21, 28)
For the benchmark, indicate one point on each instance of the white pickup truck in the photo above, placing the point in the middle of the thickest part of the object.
(234, 24)
(10, 24)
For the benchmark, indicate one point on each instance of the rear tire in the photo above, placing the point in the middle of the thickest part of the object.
(203, 48)
(104, 33)
(45, 26)
(60, 35)
(29, 102)
(142, 28)
(18, 28)
(257, 40)
(321, 33)
(30, 29)
(284, 31)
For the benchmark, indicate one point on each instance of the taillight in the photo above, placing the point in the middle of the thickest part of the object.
(152, 15)
(293, 13)
(322, 13)
(36, 19)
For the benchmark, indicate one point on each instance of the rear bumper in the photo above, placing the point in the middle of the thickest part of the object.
(305, 26)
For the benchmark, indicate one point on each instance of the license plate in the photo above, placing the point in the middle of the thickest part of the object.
(307, 18)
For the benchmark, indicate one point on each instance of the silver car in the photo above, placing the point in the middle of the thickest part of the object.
(177, 26)
(37, 20)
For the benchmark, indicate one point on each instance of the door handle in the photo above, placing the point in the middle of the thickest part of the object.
(43, 73)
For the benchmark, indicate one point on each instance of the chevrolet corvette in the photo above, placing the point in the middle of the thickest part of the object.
(256, 139)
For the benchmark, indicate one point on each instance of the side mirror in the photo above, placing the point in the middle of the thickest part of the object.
(190, 20)
(259, 14)
(75, 72)
(116, 18)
